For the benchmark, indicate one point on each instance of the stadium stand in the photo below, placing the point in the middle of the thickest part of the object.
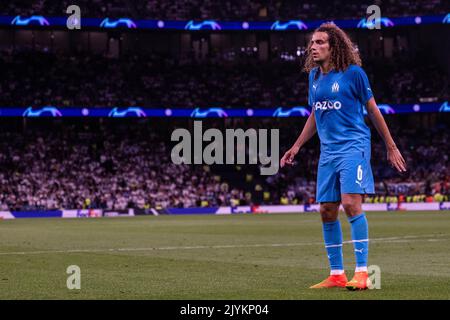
(110, 164)
(225, 10)
(87, 79)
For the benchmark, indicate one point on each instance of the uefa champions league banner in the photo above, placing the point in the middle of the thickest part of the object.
(366, 207)
(80, 213)
(433, 206)
(84, 213)
(40, 21)
(31, 214)
(6, 215)
(262, 209)
(270, 209)
(97, 213)
(201, 210)
(213, 112)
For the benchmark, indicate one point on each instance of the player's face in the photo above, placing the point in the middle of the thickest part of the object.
(320, 47)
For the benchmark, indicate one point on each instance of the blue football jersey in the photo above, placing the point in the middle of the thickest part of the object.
(337, 100)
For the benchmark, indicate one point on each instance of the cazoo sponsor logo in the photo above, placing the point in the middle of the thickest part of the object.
(327, 105)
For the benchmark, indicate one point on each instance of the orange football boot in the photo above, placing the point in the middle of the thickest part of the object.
(360, 281)
(332, 282)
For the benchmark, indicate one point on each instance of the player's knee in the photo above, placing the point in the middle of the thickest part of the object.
(328, 213)
(351, 208)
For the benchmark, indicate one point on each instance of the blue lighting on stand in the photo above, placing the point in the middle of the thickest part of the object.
(212, 25)
(39, 20)
(214, 112)
(116, 23)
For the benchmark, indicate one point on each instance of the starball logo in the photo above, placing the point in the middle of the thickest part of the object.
(279, 112)
(211, 112)
(115, 23)
(20, 21)
(289, 25)
(202, 25)
(128, 112)
(42, 112)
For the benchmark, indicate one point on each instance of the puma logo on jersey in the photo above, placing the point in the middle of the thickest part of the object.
(335, 87)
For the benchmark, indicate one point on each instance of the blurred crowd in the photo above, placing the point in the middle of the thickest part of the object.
(426, 153)
(32, 78)
(117, 165)
(225, 10)
(96, 166)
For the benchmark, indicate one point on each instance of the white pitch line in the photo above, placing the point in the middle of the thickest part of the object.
(403, 239)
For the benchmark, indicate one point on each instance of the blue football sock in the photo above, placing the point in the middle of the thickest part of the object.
(332, 235)
(360, 237)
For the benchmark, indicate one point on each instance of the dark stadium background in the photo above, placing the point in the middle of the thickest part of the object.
(73, 145)
(115, 164)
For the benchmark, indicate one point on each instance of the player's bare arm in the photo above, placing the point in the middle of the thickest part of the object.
(309, 130)
(394, 156)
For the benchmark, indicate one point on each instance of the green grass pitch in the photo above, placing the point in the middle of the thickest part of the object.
(259, 257)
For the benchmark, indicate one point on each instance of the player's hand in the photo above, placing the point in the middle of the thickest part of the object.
(396, 160)
(288, 157)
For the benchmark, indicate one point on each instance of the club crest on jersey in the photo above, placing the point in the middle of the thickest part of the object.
(335, 87)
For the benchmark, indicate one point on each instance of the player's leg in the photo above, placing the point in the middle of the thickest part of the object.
(332, 235)
(328, 194)
(357, 180)
(352, 204)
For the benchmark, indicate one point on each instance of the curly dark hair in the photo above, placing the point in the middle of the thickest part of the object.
(343, 52)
